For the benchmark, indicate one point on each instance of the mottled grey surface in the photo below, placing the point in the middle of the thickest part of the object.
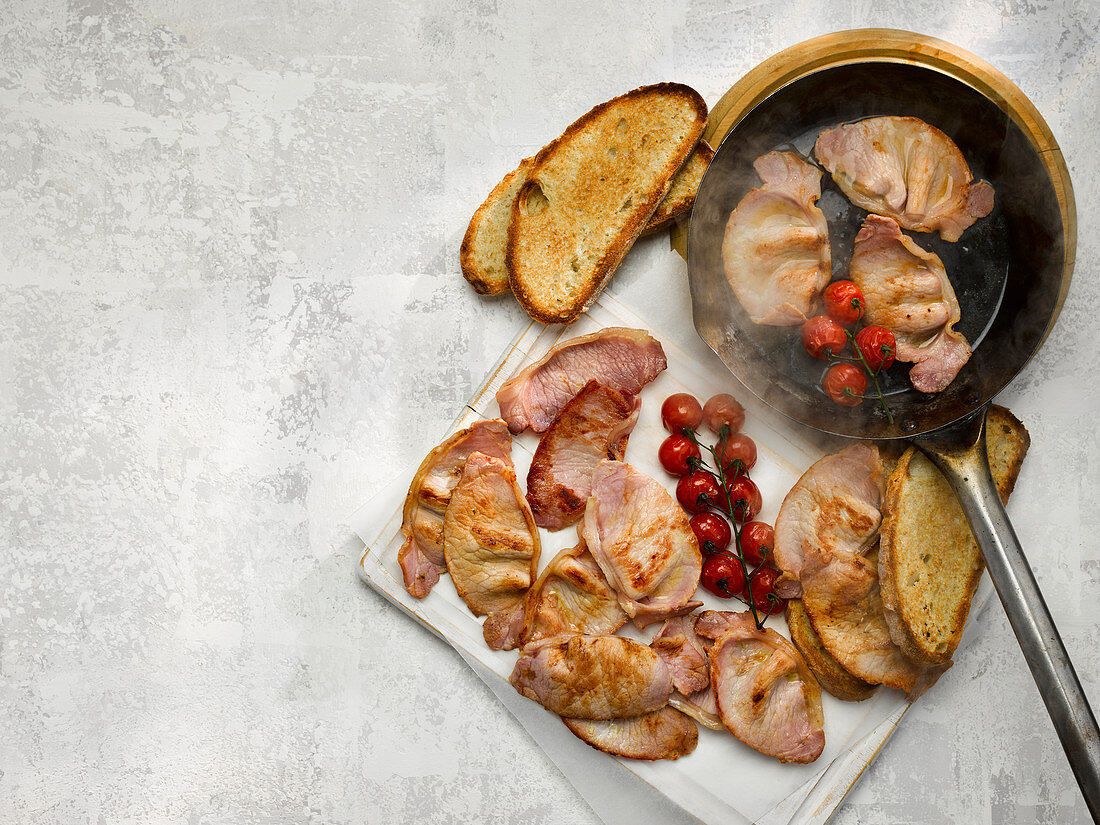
(232, 313)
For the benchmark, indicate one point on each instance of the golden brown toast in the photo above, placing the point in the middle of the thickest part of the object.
(483, 246)
(591, 192)
(929, 562)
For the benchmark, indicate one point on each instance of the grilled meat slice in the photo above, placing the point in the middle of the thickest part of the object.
(776, 245)
(593, 677)
(905, 169)
(490, 541)
(618, 357)
(835, 505)
(643, 543)
(908, 292)
(594, 425)
(421, 554)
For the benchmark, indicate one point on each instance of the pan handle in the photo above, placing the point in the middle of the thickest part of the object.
(960, 453)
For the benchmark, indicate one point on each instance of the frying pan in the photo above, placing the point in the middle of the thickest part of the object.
(1010, 271)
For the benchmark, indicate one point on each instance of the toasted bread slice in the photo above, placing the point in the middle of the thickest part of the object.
(482, 253)
(929, 562)
(483, 246)
(829, 672)
(685, 186)
(590, 194)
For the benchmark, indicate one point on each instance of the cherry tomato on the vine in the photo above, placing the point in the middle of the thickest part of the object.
(698, 492)
(723, 409)
(737, 447)
(844, 302)
(822, 337)
(722, 575)
(674, 453)
(712, 530)
(681, 410)
(746, 498)
(877, 346)
(845, 384)
(761, 591)
(757, 541)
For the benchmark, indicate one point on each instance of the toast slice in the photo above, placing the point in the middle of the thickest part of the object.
(829, 672)
(929, 562)
(685, 186)
(591, 192)
(483, 246)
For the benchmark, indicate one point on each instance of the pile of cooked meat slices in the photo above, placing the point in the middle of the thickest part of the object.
(637, 560)
(908, 175)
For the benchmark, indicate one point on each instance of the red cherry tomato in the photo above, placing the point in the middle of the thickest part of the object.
(761, 591)
(712, 530)
(674, 453)
(822, 337)
(757, 541)
(737, 447)
(697, 492)
(877, 346)
(845, 384)
(722, 575)
(746, 498)
(723, 409)
(844, 302)
(679, 411)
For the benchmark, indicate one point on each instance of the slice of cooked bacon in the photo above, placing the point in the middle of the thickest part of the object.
(618, 357)
(490, 541)
(593, 677)
(421, 554)
(766, 695)
(841, 596)
(834, 505)
(571, 596)
(663, 734)
(908, 170)
(907, 290)
(775, 249)
(683, 652)
(643, 542)
(594, 425)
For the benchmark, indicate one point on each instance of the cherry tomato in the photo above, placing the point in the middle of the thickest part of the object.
(746, 498)
(697, 491)
(723, 409)
(674, 453)
(845, 384)
(712, 530)
(877, 346)
(737, 447)
(679, 411)
(761, 591)
(822, 337)
(844, 302)
(722, 575)
(757, 541)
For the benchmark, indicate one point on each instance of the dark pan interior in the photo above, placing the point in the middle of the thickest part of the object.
(1006, 269)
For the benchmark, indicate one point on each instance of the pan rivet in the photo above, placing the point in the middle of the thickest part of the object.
(909, 425)
(973, 397)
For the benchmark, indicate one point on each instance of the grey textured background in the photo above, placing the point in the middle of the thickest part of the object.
(232, 313)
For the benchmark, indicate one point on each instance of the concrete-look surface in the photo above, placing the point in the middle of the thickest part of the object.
(232, 312)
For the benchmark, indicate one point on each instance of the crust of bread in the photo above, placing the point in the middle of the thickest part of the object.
(829, 672)
(929, 562)
(572, 225)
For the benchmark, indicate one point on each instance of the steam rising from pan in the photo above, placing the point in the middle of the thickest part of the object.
(1006, 269)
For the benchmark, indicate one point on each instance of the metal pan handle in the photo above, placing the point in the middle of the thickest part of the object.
(960, 454)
